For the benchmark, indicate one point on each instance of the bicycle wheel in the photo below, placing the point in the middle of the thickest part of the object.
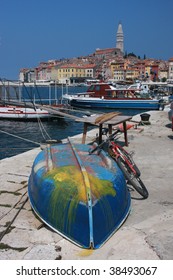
(126, 155)
(132, 178)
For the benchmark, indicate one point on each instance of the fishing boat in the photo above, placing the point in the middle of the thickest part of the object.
(15, 110)
(22, 113)
(103, 95)
(81, 196)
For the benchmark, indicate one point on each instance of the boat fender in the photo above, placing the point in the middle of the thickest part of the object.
(162, 105)
(128, 126)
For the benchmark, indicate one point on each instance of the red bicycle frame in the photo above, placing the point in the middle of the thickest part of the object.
(117, 151)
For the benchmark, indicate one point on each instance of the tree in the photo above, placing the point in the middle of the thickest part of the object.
(164, 80)
(131, 54)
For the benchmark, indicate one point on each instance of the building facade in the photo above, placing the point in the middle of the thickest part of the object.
(68, 72)
(170, 69)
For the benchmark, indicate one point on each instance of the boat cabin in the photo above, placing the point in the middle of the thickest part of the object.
(107, 91)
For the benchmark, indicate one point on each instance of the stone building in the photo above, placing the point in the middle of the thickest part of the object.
(120, 38)
(170, 69)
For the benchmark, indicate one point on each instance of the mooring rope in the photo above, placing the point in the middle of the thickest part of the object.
(19, 137)
(11, 222)
(42, 128)
(5, 214)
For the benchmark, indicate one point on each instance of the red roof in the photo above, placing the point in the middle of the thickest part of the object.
(103, 51)
(89, 66)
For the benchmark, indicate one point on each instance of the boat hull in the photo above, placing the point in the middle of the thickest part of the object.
(116, 104)
(21, 113)
(82, 197)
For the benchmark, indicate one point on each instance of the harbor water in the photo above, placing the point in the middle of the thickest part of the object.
(20, 136)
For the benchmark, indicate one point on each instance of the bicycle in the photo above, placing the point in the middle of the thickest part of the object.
(125, 162)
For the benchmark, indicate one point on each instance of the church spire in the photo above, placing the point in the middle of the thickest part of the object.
(120, 38)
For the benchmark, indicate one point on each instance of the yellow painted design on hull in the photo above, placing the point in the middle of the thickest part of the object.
(70, 190)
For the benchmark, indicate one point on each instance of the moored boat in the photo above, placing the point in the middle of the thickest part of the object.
(83, 197)
(103, 95)
(22, 113)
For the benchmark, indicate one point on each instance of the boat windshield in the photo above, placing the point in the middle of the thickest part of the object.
(91, 88)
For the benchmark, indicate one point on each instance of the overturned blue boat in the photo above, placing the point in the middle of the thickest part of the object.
(83, 197)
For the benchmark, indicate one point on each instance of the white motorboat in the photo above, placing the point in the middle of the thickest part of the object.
(15, 112)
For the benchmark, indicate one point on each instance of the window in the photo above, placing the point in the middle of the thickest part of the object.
(97, 88)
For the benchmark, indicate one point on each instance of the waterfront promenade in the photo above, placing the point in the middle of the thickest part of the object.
(146, 234)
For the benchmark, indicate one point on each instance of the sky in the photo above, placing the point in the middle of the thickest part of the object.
(33, 31)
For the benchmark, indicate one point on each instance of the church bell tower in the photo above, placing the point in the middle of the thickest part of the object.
(120, 38)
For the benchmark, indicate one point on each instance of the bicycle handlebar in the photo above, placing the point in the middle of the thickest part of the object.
(111, 137)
